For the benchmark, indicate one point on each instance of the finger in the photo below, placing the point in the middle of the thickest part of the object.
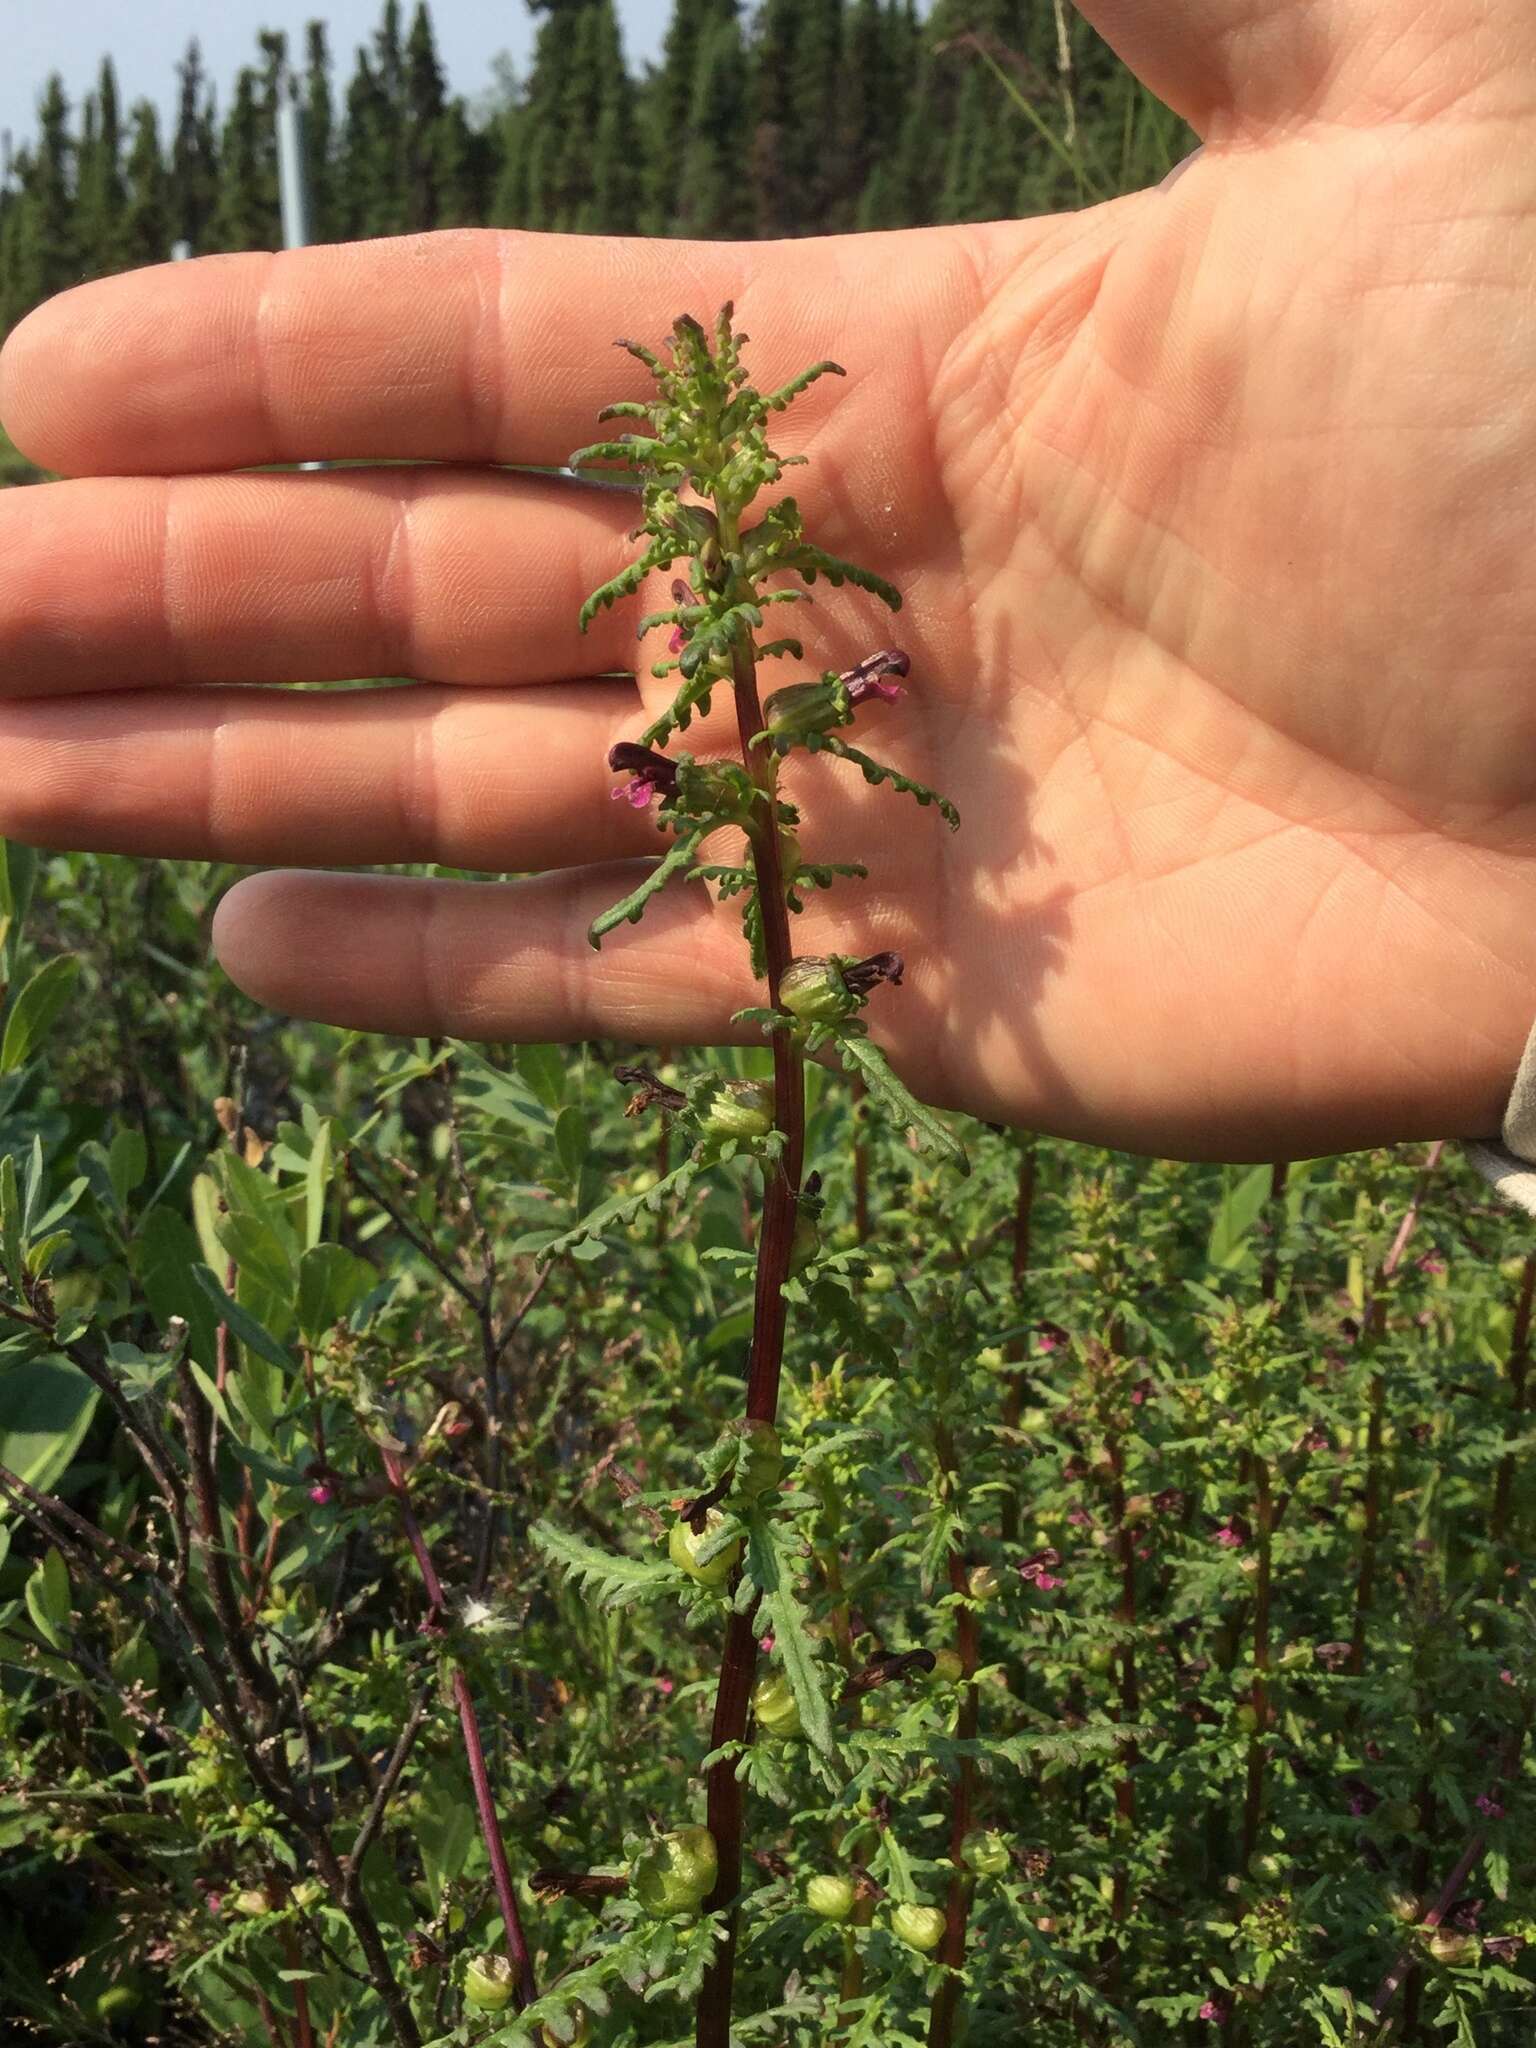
(475, 345)
(1245, 59)
(483, 960)
(491, 779)
(445, 576)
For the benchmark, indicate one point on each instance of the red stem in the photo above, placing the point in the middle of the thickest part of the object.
(474, 1747)
(957, 1906)
(724, 1798)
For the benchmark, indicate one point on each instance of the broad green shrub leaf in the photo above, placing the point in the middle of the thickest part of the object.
(166, 1257)
(46, 1407)
(332, 1281)
(241, 1322)
(48, 1598)
(571, 1139)
(543, 1068)
(1244, 1191)
(35, 1011)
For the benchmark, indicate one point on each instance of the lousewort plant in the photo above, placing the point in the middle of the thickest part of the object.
(702, 463)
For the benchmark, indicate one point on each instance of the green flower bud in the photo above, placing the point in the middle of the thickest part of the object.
(1404, 1907)
(759, 1458)
(775, 1706)
(947, 1668)
(1448, 1945)
(738, 1109)
(675, 1873)
(251, 1902)
(683, 1547)
(488, 1983)
(814, 990)
(920, 1927)
(987, 1854)
(880, 1279)
(579, 2038)
(308, 1893)
(831, 1898)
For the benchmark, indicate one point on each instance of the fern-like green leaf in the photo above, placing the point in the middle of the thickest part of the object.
(812, 562)
(621, 1210)
(771, 1569)
(862, 1056)
(631, 908)
(612, 1578)
(627, 582)
(877, 771)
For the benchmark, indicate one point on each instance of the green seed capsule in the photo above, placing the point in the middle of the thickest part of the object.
(983, 1583)
(683, 1548)
(831, 1898)
(774, 1704)
(488, 1983)
(947, 1668)
(920, 1927)
(814, 990)
(738, 1109)
(676, 1872)
(987, 1854)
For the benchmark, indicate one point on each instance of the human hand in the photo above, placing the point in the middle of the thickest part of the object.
(1212, 508)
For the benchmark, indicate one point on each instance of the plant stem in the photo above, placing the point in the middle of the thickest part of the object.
(1269, 1272)
(474, 1747)
(1258, 1748)
(957, 1906)
(1519, 1367)
(724, 1799)
(1013, 1400)
(1128, 1711)
(1372, 1327)
(859, 1095)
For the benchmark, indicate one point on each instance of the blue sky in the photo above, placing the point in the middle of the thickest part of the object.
(146, 37)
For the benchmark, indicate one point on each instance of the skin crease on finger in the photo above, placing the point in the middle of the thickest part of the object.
(1212, 512)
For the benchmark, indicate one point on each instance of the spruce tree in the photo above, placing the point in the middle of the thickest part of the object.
(47, 255)
(367, 185)
(671, 103)
(775, 166)
(194, 185)
(319, 133)
(424, 104)
(146, 230)
(99, 179)
(245, 216)
(712, 197)
(577, 142)
(12, 204)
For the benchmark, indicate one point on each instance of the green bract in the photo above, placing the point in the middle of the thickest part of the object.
(815, 992)
(920, 1927)
(684, 1545)
(738, 1109)
(488, 1983)
(987, 1854)
(831, 1898)
(674, 1873)
(774, 1705)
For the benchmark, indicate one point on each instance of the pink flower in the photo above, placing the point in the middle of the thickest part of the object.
(1228, 1537)
(1080, 1518)
(765, 1644)
(653, 774)
(678, 638)
(1213, 2009)
(1142, 1391)
(1488, 1806)
(1038, 1570)
(666, 1687)
(1431, 1262)
(863, 681)
(1049, 1336)
(320, 1493)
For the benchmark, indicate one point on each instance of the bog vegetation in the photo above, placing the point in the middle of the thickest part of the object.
(442, 1601)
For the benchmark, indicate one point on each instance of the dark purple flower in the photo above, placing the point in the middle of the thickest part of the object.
(653, 773)
(1488, 1806)
(1503, 1948)
(1039, 1570)
(863, 681)
(1332, 1656)
(1314, 1440)
(1170, 1501)
(863, 975)
(652, 1090)
(1465, 1916)
(1080, 1518)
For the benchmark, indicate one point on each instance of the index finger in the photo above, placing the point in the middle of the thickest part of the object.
(469, 345)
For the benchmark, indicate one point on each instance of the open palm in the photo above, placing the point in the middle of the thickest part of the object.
(1212, 507)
